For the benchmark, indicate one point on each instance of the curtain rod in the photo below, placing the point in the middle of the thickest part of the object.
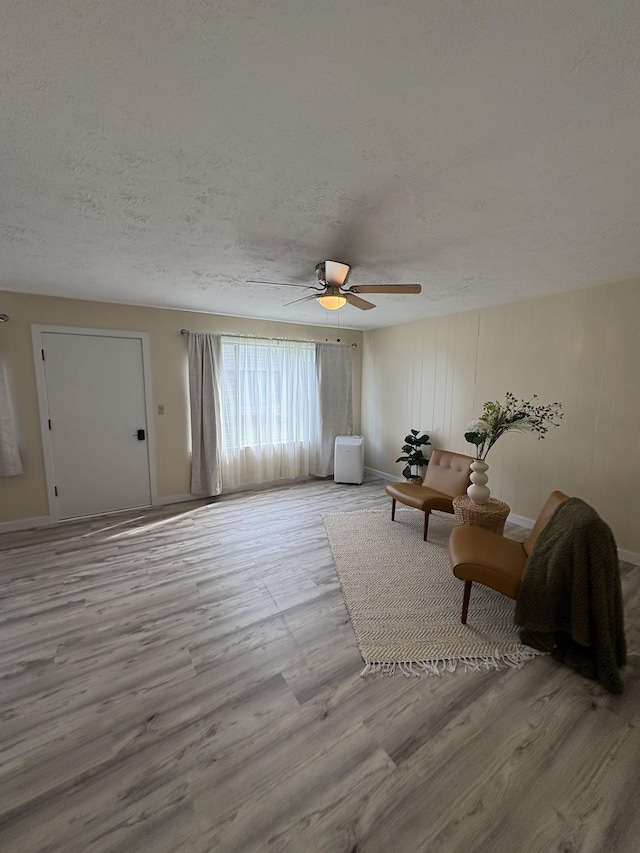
(186, 333)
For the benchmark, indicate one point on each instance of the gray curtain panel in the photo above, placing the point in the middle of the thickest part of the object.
(333, 368)
(10, 461)
(204, 396)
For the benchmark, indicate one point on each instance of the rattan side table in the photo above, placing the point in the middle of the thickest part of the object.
(491, 515)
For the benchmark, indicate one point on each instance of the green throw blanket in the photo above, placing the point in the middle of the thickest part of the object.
(570, 598)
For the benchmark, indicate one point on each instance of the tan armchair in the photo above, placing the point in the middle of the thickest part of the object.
(479, 555)
(447, 477)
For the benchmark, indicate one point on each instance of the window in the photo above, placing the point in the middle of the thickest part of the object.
(265, 410)
(270, 412)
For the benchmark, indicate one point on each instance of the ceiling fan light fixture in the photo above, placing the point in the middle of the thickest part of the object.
(332, 301)
(332, 291)
(334, 273)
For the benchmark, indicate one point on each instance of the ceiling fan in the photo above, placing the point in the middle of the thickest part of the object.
(332, 291)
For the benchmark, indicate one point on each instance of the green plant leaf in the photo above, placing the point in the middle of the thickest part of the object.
(474, 438)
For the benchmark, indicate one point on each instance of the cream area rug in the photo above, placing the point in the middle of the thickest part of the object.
(405, 603)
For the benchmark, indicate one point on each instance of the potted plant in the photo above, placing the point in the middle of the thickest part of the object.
(413, 455)
(511, 415)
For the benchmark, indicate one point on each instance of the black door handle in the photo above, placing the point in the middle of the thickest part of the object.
(140, 434)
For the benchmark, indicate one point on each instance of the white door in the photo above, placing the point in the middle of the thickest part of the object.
(97, 422)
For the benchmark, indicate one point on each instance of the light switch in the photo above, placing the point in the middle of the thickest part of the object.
(161, 409)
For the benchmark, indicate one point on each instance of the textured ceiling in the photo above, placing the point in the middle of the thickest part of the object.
(162, 152)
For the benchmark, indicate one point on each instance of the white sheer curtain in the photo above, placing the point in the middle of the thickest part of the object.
(270, 416)
(204, 396)
(333, 368)
(10, 462)
(265, 410)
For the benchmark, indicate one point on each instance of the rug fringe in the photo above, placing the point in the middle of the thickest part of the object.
(416, 668)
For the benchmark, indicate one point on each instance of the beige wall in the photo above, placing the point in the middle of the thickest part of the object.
(580, 348)
(25, 497)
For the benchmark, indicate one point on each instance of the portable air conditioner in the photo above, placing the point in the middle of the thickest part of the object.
(348, 459)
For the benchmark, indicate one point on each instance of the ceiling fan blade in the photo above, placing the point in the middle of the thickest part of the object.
(385, 288)
(357, 302)
(283, 284)
(303, 299)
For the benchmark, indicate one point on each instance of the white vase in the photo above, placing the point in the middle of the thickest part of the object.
(478, 491)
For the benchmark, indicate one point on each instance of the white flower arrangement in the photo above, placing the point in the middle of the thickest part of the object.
(511, 415)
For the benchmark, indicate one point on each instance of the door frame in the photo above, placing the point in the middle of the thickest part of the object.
(41, 383)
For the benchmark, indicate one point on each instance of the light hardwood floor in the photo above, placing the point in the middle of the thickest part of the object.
(186, 679)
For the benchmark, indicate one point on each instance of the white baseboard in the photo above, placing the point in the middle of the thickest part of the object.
(26, 523)
(521, 520)
(623, 554)
(629, 556)
(383, 476)
(176, 499)
(45, 520)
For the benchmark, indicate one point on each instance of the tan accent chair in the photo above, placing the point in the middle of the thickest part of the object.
(479, 555)
(447, 477)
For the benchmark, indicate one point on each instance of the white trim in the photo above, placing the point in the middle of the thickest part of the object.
(629, 556)
(37, 331)
(623, 554)
(177, 499)
(41, 387)
(520, 520)
(383, 476)
(149, 412)
(47, 520)
(26, 523)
